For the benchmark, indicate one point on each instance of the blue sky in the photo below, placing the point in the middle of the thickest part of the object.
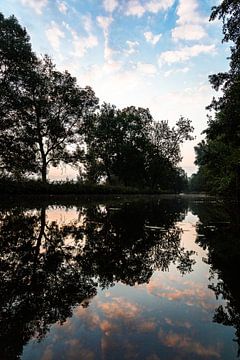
(149, 53)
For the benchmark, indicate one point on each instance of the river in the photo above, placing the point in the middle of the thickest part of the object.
(119, 278)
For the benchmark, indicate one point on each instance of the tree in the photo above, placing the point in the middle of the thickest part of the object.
(168, 140)
(219, 156)
(118, 140)
(46, 119)
(16, 63)
(218, 233)
(128, 146)
(41, 279)
(165, 154)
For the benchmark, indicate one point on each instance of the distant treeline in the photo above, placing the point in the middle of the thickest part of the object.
(47, 119)
(218, 156)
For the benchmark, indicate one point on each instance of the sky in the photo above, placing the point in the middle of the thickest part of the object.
(149, 53)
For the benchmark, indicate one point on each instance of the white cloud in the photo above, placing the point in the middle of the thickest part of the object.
(132, 47)
(62, 7)
(185, 53)
(82, 44)
(146, 68)
(104, 22)
(87, 23)
(110, 5)
(136, 8)
(151, 38)
(190, 22)
(188, 32)
(155, 6)
(36, 5)
(187, 12)
(54, 34)
(176, 71)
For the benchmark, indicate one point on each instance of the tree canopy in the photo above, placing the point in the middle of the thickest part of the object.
(48, 119)
(218, 156)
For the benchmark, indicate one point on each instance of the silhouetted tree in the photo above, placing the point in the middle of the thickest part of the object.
(40, 279)
(128, 146)
(218, 233)
(16, 64)
(47, 268)
(47, 118)
(219, 154)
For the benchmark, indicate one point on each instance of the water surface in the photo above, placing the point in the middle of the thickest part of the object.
(133, 278)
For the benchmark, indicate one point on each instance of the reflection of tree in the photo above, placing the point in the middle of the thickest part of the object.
(47, 268)
(40, 279)
(218, 232)
(129, 243)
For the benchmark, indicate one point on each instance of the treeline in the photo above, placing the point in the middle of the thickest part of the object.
(47, 119)
(218, 156)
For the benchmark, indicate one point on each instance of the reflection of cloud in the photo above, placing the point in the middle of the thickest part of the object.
(120, 308)
(193, 294)
(153, 357)
(107, 327)
(75, 350)
(187, 344)
(184, 324)
(92, 319)
(146, 326)
(48, 353)
(112, 346)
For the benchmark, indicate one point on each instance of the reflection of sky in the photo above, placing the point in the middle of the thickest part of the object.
(168, 318)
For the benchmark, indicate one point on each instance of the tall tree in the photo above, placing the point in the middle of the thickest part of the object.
(16, 63)
(46, 119)
(128, 146)
(219, 156)
(117, 141)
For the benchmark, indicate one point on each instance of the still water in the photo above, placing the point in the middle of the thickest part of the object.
(125, 278)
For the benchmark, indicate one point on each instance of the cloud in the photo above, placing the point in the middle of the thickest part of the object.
(87, 23)
(120, 308)
(54, 34)
(176, 71)
(188, 32)
(187, 344)
(110, 5)
(132, 47)
(146, 68)
(104, 22)
(190, 22)
(146, 326)
(62, 7)
(36, 5)
(185, 53)
(136, 8)
(82, 43)
(151, 38)
(187, 12)
(155, 6)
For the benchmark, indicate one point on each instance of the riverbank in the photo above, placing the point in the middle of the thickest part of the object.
(33, 187)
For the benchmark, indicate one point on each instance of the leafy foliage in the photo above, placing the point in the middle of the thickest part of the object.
(219, 156)
(47, 119)
(129, 148)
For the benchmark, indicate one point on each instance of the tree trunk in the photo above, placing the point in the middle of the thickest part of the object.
(44, 172)
(42, 220)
